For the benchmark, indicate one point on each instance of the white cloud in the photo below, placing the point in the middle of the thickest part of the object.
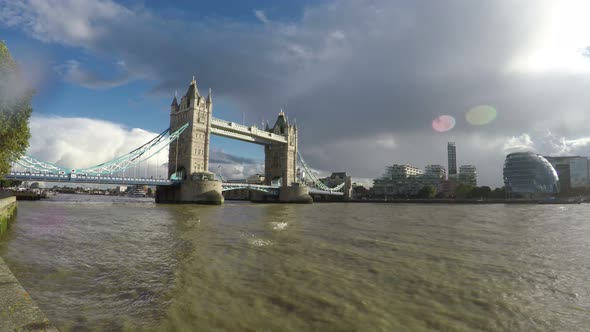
(72, 71)
(64, 21)
(83, 142)
(261, 16)
(519, 144)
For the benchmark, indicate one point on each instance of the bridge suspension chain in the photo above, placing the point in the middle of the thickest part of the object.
(317, 182)
(119, 164)
(29, 162)
(144, 152)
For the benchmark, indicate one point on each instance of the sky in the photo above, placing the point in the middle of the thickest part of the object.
(370, 83)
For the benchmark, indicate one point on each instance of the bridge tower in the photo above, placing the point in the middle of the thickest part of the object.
(280, 163)
(188, 157)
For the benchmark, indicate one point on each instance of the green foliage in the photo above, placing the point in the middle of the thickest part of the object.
(427, 192)
(498, 193)
(15, 111)
(9, 183)
(463, 190)
(480, 192)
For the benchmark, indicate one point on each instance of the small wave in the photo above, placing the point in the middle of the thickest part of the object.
(256, 242)
(279, 226)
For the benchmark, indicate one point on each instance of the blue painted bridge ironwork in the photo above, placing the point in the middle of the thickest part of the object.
(95, 179)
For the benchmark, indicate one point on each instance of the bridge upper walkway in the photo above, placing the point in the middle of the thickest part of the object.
(244, 133)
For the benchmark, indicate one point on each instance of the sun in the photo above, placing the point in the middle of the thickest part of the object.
(560, 42)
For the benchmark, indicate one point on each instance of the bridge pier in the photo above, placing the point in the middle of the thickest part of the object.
(295, 194)
(199, 189)
(298, 194)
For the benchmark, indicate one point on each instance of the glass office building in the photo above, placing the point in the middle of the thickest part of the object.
(529, 174)
(452, 159)
(571, 170)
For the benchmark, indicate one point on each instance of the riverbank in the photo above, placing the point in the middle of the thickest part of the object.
(460, 201)
(18, 312)
(7, 211)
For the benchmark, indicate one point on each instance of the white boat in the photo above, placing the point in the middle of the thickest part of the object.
(136, 191)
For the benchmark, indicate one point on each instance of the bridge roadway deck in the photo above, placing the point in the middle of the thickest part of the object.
(81, 178)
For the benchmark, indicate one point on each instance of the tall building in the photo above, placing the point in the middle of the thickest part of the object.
(468, 174)
(452, 157)
(577, 174)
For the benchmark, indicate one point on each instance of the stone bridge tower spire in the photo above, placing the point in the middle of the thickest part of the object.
(190, 153)
(280, 160)
(188, 156)
(280, 163)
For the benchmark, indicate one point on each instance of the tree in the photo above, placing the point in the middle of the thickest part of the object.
(498, 193)
(15, 111)
(427, 192)
(480, 192)
(463, 190)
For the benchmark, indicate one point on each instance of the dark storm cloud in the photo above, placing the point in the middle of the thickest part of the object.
(363, 78)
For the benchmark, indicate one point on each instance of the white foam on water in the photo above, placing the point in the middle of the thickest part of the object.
(256, 242)
(279, 226)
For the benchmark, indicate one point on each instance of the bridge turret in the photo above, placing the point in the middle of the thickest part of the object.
(210, 97)
(174, 105)
(188, 156)
(192, 94)
(192, 153)
(281, 158)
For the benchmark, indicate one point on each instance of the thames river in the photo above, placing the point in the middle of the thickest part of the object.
(108, 264)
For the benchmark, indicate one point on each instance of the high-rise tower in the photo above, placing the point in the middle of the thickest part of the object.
(452, 155)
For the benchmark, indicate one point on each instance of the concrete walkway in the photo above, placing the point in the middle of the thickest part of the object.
(18, 312)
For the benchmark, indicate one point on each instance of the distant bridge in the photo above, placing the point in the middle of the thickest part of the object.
(187, 140)
(115, 180)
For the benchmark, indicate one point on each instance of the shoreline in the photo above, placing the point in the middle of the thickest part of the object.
(18, 311)
(456, 201)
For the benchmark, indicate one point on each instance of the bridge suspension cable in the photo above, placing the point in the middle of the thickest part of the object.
(315, 181)
(119, 164)
(34, 164)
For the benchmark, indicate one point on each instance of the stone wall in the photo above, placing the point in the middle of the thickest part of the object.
(7, 211)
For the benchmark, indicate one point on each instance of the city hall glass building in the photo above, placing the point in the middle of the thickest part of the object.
(528, 174)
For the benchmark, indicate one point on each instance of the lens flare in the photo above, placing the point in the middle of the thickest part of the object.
(443, 123)
(481, 115)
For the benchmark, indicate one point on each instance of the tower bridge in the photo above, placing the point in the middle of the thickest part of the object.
(188, 177)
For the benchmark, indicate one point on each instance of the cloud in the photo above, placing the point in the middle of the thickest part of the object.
(84, 142)
(260, 15)
(519, 144)
(218, 156)
(364, 94)
(73, 72)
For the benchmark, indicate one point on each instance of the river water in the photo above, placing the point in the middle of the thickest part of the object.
(108, 264)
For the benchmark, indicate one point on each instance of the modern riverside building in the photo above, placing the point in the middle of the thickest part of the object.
(529, 175)
(571, 170)
(436, 170)
(405, 180)
(468, 175)
(452, 158)
(401, 171)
